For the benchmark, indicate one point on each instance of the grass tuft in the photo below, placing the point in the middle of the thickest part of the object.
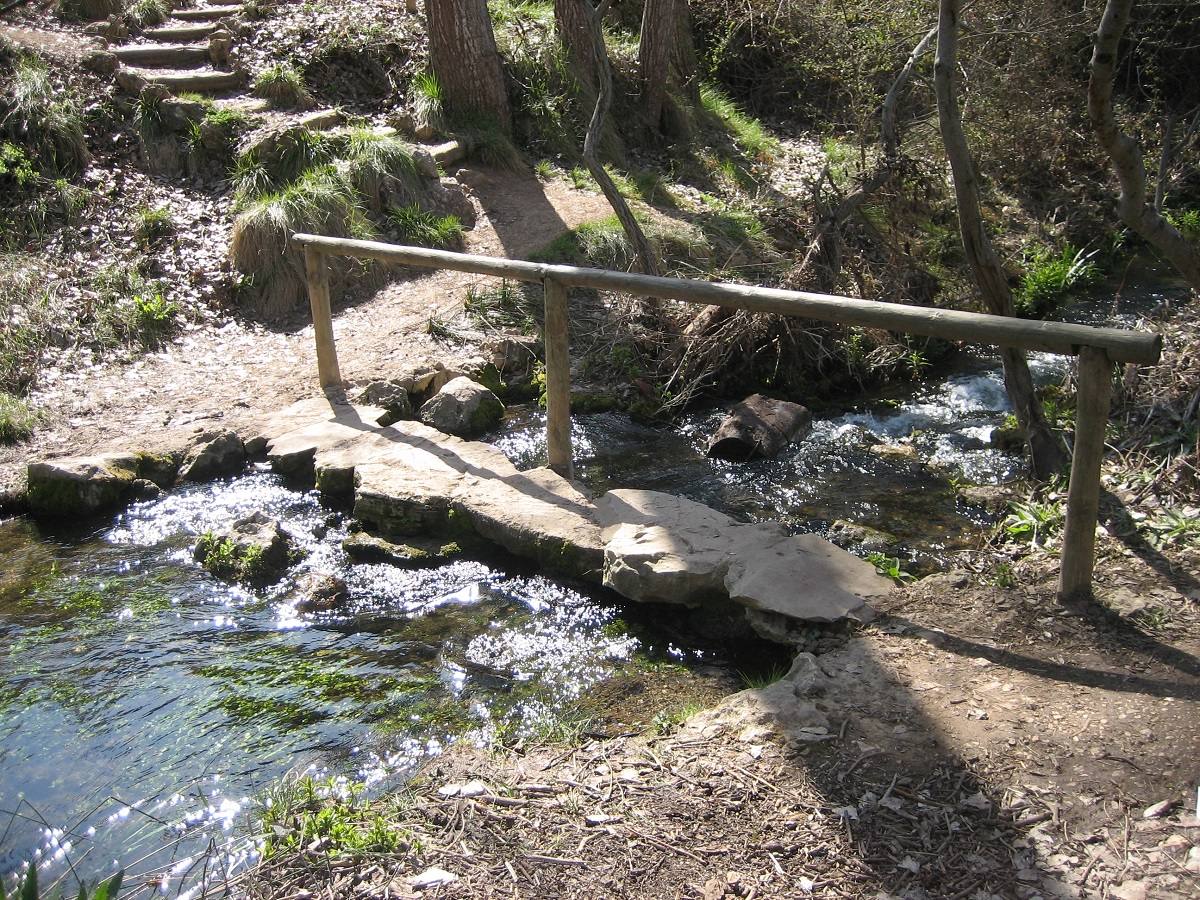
(283, 87)
(17, 419)
(147, 13)
(747, 132)
(428, 101)
(382, 168)
(412, 225)
(45, 122)
(1050, 277)
(152, 226)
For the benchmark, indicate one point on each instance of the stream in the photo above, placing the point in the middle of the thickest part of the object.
(144, 705)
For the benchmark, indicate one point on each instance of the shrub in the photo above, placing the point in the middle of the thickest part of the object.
(322, 201)
(1187, 221)
(283, 87)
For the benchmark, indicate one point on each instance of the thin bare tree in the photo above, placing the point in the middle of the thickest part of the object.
(1046, 450)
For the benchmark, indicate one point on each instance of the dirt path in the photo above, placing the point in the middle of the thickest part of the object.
(235, 373)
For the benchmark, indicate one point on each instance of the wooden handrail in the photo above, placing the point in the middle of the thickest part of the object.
(1098, 349)
(980, 328)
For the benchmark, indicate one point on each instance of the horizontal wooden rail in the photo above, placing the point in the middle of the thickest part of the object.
(1098, 349)
(978, 328)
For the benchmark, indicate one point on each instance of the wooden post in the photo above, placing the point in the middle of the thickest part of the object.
(558, 379)
(317, 271)
(1083, 497)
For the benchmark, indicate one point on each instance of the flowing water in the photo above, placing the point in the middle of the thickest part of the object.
(144, 704)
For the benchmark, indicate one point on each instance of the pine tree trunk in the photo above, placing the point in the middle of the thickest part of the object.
(574, 32)
(463, 56)
(1045, 449)
(666, 57)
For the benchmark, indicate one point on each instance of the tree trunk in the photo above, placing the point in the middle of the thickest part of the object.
(1123, 150)
(463, 56)
(573, 22)
(666, 57)
(591, 146)
(1046, 451)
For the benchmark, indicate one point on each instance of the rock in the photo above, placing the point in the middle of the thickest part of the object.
(785, 710)
(844, 533)
(513, 354)
(213, 455)
(320, 592)
(367, 548)
(446, 198)
(220, 47)
(101, 62)
(665, 549)
(179, 115)
(389, 396)
(254, 550)
(1011, 440)
(423, 160)
(131, 82)
(80, 486)
(463, 408)
(143, 490)
(759, 426)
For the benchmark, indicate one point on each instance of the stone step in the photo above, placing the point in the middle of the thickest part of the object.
(200, 82)
(183, 33)
(172, 56)
(206, 13)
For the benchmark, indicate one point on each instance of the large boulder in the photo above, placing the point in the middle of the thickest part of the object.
(387, 395)
(62, 488)
(759, 426)
(254, 550)
(665, 549)
(463, 407)
(215, 454)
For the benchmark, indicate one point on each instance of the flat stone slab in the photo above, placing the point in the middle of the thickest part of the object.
(666, 549)
(409, 479)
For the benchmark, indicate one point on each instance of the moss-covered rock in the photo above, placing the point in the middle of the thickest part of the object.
(463, 407)
(368, 548)
(80, 486)
(255, 550)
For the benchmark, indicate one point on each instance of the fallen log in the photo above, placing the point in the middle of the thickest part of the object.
(759, 426)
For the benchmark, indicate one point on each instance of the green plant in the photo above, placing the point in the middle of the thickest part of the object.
(1003, 575)
(382, 167)
(28, 889)
(889, 566)
(257, 173)
(16, 166)
(27, 321)
(283, 87)
(1187, 221)
(328, 817)
(45, 122)
(544, 169)
(1032, 520)
(17, 419)
(839, 156)
(130, 308)
(152, 225)
(1051, 276)
(668, 721)
(508, 306)
(1173, 527)
(428, 100)
(147, 13)
(415, 226)
(759, 680)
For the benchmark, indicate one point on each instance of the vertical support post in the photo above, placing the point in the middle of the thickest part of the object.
(1083, 497)
(317, 271)
(558, 379)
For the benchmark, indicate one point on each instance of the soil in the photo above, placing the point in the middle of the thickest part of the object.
(234, 372)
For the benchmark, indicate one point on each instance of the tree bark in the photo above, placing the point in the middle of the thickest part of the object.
(1123, 150)
(666, 56)
(573, 22)
(591, 146)
(463, 56)
(1046, 450)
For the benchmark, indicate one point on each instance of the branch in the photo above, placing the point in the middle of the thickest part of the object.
(1124, 152)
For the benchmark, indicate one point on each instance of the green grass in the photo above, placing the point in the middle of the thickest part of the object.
(152, 226)
(668, 721)
(17, 419)
(747, 132)
(382, 168)
(412, 225)
(45, 122)
(840, 157)
(295, 153)
(507, 307)
(604, 244)
(130, 309)
(27, 321)
(428, 100)
(759, 680)
(283, 87)
(147, 13)
(1050, 276)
